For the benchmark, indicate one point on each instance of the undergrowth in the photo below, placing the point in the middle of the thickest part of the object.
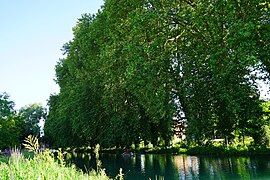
(43, 165)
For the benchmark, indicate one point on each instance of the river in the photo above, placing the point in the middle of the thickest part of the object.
(178, 167)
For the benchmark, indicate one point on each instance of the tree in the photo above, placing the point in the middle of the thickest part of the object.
(9, 124)
(58, 128)
(136, 65)
(214, 46)
(31, 116)
(264, 36)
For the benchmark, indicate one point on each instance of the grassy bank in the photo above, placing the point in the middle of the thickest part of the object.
(228, 151)
(212, 150)
(42, 166)
(199, 150)
(215, 149)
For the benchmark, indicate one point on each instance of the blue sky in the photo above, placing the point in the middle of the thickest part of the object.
(32, 33)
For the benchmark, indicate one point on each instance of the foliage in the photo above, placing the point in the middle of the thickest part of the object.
(215, 56)
(136, 66)
(30, 116)
(227, 151)
(31, 143)
(94, 105)
(15, 126)
(42, 166)
(9, 124)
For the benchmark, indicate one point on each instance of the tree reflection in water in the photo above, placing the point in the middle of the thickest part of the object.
(171, 167)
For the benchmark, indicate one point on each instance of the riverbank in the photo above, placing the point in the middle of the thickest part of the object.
(212, 151)
(183, 148)
(199, 150)
(43, 166)
(228, 151)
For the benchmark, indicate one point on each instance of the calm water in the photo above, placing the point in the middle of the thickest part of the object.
(170, 167)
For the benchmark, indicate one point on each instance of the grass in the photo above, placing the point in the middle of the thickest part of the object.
(228, 151)
(219, 149)
(216, 149)
(42, 166)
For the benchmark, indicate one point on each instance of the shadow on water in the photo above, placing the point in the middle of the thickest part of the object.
(170, 167)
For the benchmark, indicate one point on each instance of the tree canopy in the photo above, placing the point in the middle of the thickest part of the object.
(9, 131)
(135, 67)
(31, 116)
(16, 125)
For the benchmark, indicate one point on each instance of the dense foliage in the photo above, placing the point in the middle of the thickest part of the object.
(31, 115)
(135, 67)
(44, 166)
(9, 124)
(15, 126)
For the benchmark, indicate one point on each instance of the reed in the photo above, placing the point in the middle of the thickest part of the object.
(42, 165)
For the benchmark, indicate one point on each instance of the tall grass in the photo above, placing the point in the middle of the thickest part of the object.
(42, 165)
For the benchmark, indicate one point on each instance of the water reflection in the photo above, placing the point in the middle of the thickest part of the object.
(143, 163)
(170, 167)
(187, 166)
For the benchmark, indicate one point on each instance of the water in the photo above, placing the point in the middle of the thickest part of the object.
(178, 167)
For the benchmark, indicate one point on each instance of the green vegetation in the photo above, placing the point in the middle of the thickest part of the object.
(31, 115)
(213, 148)
(138, 71)
(42, 165)
(143, 71)
(9, 124)
(228, 151)
(16, 126)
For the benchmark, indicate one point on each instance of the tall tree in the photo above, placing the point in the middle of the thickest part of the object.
(9, 124)
(136, 65)
(31, 116)
(215, 54)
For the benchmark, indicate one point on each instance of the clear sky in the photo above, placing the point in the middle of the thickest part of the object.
(32, 33)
